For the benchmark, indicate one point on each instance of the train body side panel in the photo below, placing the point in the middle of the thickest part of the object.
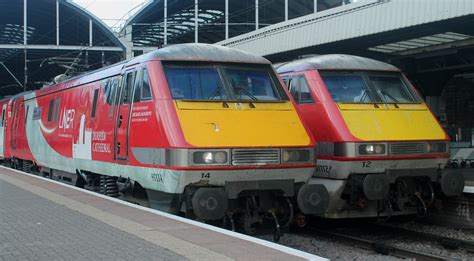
(19, 144)
(65, 120)
(323, 117)
(3, 119)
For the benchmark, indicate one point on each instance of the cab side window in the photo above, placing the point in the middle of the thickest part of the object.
(53, 110)
(299, 89)
(142, 88)
(128, 88)
(146, 90)
(112, 93)
(2, 123)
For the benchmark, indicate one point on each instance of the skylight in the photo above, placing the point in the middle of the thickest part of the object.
(421, 42)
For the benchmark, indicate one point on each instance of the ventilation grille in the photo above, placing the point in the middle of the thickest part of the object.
(255, 156)
(407, 148)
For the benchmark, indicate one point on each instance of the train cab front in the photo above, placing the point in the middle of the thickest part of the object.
(391, 155)
(239, 152)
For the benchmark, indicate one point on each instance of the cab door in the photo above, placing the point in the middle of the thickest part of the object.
(122, 118)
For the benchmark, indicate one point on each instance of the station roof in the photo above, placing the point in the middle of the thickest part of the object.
(73, 42)
(148, 23)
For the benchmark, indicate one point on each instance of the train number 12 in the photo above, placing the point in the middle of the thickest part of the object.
(366, 164)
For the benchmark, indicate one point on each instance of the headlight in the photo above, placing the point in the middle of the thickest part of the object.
(372, 149)
(437, 147)
(210, 157)
(295, 155)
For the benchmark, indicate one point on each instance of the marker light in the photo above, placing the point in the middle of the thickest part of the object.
(210, 158)
(295, 155)
(437, 147)
(372, 149)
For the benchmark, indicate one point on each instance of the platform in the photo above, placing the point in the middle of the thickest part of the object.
(41, 219)
(469, 180)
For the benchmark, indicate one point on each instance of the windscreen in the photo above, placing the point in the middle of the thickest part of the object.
(195, 84)
(368, 87)
(223, 83)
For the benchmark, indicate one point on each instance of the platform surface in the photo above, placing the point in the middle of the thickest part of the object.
(42, 219)
(469, 180)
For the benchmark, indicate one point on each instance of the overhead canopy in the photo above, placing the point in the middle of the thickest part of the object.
(148, 25)
(60, 38)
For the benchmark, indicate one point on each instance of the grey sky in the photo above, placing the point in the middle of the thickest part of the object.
(110, 11)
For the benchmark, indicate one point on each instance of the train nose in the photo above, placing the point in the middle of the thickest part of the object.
(376, 186)
(313, 199)
(210, 203)
(452, 182)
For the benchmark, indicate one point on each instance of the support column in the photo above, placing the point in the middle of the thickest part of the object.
(25, 41)
(57, 22)
(91, 41)
(256, 15)
(25, 22)
(128, 42)
(165, 15)
(196, 24)
(226, 19)
(286, 10)
(315, 6)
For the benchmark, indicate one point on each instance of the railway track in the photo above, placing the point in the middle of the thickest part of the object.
(377, 246)
(446, 242)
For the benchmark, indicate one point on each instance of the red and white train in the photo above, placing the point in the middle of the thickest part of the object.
(203, 130)
(381, 151)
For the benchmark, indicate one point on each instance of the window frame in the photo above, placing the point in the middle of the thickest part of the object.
(51, 109)
(115, 85)
(26, 114)
(297, 78)
(130, 94)
(373, 94)
(220, 68)
(57, 105)
(3, 117)
(144, 99)
(95, 100)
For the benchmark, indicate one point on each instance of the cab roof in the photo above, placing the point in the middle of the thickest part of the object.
(335, 62)
(200, 52)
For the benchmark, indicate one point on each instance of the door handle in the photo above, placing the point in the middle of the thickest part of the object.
(118, 147)
(120, 121)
